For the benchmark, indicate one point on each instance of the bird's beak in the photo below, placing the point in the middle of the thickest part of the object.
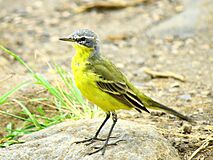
(69, 38)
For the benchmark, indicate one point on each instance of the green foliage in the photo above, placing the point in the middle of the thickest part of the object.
(4, 97)
(65, 97)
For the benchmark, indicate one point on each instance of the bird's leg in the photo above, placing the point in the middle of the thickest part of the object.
(93, 139)
(103, 148)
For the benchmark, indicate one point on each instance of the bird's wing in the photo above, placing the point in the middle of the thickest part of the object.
(113, 82)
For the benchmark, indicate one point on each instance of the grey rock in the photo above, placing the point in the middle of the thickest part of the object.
(142, 142)
(186, 97)
(195, 18)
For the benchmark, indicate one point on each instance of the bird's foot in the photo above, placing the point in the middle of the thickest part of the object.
(89, 141)
(103, 148)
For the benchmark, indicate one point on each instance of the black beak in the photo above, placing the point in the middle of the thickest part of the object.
(69, 38)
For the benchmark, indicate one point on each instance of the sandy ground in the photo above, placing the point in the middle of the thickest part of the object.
(133, 38)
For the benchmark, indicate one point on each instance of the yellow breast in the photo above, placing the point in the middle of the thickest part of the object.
(86, 80)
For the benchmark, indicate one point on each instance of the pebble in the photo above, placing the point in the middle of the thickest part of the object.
(175, 85)
(65, 14)
(186, 97)
(187, 129)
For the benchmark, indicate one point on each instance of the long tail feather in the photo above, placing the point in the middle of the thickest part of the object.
(155, 105)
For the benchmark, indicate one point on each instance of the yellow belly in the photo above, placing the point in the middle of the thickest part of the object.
(86, 83)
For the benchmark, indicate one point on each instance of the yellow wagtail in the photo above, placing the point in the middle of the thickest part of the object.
(103, 84)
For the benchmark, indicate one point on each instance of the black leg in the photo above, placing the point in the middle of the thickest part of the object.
(91, 140)
(99, 129)
(103, 148)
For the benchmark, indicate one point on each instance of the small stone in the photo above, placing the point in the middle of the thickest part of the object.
(187, 129)
(186, 97)
(158, 114)
(182, 148)
(169, 38)
(206, 93)
(65, 14)
(175, 85)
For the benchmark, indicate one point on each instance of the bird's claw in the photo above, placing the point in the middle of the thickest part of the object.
(97, 150)
(110, 144)
(94, 140)
(91, 140)
(103, 148)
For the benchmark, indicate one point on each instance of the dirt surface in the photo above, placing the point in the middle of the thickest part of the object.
(162, 35)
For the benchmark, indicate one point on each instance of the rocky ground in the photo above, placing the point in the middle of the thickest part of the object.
(59, 141)
(163, 35)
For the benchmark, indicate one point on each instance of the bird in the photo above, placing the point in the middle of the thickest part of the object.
(103, 84)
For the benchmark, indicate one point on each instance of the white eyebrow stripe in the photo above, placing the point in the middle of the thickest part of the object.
(88, 37)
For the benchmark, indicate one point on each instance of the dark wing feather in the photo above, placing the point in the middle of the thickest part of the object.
(122, 93)
(113, 82)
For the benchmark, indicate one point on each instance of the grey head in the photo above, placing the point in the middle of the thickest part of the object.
(83, 37)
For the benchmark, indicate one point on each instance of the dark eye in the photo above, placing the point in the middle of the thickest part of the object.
(82, 39)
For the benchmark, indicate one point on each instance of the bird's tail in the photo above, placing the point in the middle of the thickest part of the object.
(155, 105)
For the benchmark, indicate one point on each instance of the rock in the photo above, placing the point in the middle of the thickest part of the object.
(186, 97)
(195, 18)
(187, 129)
(142, 142)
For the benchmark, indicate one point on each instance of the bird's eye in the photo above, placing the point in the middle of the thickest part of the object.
(82, 39)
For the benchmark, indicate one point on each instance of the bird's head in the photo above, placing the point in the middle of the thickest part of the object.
(83, 39)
